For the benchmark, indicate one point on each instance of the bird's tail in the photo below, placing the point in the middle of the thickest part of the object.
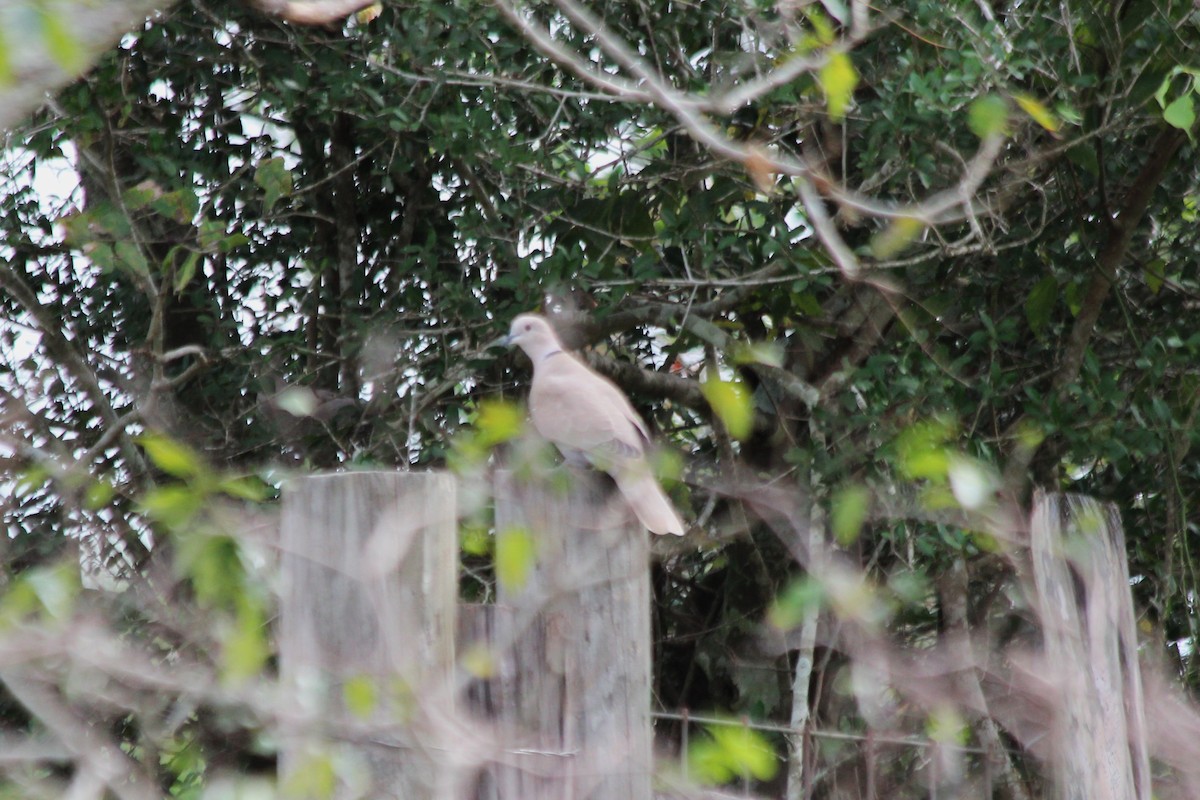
(649, 502)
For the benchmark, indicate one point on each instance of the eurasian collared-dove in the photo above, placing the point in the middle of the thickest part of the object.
(583, 412)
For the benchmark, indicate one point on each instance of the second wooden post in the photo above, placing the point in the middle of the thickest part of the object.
(572, 690)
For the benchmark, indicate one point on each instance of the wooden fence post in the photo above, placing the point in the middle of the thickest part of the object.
(366, 631)
(1082, 581)
(572, 689)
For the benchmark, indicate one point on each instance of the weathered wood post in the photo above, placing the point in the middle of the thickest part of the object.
(366, 630)
(572, 693)
(1082, 581)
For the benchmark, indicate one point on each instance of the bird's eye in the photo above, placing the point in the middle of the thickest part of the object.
(528, 326)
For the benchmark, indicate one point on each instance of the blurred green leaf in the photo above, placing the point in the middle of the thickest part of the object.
(987, 116)
(1038, 111)
(731, 752)
(173, 505)
(56, 588)
(848, 512)
(793, 605)
(1181, 113)
(731, 402)
(361, 696)
(838, 79)
(276, 181)
(921, 450)
(61, 42)
(245, 649)
(246, 487)
(1039, 305)
(515, 557)
(498, 421)
(314, 778)
(898, 235)
(170, 456)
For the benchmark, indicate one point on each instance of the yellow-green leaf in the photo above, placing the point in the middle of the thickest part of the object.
(186, 271)
(498, 421)
(921, 450)
(314, 778)
(245, 487)
(1181, 113)
(7, 74)
(171, 456)
(732, 403)
(361, 696)
(56, 588)
(515, 557)
(245, 650)
(988, 115)
(173, 505)
(273, 177)
(62, 43)
(479, 661)
(794, 603)
(848, 512)
(129, 256)
(98, 494)
(899, 233)
(838, 77)
(730, 752)
(368, 14)
(1038, 111)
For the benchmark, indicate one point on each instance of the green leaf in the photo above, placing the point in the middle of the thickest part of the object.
(129, 256)
(732, 403)
(1181, 113)
(515, 557)
(795, 602)
(314, 778)
(498, 421)
(171, 456)
(275, 179)
(244, 651)
(186, 271)
(1153, 274)
(173, 506)
(899, 233)
(767, 353)
(61, 43)
(361, 696)
(56, 588)
(838, 79)
(921, 451)
(988, 116)
(7, 73)
(181, 205)
(1040, 303)
(98, 494)
(214, 565)
(848, 512)
(731, 752)
(245, 487)
(1038, 111)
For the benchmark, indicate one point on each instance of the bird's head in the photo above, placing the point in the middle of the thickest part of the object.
(533, 334)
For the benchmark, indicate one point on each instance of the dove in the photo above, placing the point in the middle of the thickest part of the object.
(584, 413)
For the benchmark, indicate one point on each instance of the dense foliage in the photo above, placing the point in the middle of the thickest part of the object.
(287, 247)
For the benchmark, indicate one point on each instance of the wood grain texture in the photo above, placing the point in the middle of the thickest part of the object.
(572, 690)
(369, 595)
(1090, 645)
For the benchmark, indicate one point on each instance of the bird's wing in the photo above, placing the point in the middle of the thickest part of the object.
(575, 407)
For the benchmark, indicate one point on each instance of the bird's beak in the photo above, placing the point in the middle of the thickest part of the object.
(500, 341)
